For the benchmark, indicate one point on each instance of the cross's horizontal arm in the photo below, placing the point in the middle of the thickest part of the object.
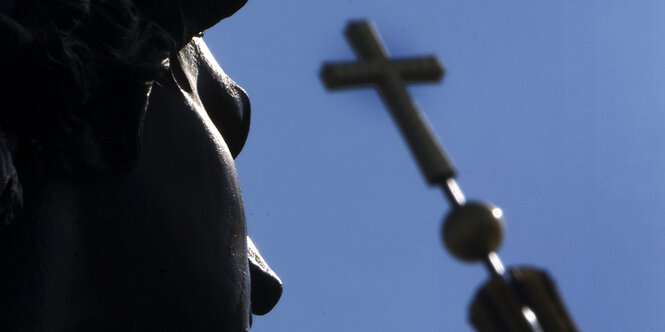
(351, 74)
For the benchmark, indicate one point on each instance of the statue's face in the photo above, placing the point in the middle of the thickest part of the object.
(162, 247)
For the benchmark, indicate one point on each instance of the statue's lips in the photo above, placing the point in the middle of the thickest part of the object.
(266, 287)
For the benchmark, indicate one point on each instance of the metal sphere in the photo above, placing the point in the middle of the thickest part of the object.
(473, 230)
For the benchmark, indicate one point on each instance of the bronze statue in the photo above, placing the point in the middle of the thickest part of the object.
(119, 202)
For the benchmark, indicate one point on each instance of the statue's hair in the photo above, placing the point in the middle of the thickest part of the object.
(80, 83)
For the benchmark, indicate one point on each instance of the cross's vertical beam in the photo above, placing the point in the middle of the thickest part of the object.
(389, 77)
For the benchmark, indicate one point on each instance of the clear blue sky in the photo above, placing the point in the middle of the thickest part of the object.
(552, 110)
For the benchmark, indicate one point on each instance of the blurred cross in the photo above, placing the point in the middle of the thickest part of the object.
(521, 299)
(390, 78)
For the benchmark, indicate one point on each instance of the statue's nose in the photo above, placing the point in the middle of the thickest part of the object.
(266, 285)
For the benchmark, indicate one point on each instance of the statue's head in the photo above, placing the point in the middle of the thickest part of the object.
(145, 241)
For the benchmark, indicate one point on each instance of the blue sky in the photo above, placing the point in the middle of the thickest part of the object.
(553, 111)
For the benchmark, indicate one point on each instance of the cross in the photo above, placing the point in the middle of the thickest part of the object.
(390, 77)
(524, 299)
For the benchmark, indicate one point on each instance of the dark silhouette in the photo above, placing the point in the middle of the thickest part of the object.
(119, 201)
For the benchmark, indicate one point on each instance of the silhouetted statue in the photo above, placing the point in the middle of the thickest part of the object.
(119, 201)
